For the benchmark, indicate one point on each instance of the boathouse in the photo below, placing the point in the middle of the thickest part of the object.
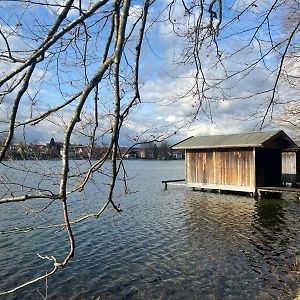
(235, 162)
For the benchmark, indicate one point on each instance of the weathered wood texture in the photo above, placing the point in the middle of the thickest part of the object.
(289, 167)
(221, 167)
(298, 165)
(268, 167)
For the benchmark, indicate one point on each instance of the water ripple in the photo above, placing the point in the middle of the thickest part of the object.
(174, 244)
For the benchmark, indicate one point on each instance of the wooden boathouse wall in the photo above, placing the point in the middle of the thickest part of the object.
(298, 165)
(289, 167)
(232, 169)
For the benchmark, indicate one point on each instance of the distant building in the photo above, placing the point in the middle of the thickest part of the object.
(132, 154)
(141, 153)
(179, 154)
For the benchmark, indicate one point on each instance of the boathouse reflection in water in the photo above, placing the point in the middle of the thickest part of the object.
(239, 241)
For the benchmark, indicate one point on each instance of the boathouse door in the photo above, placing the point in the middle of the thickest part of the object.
(268, 167)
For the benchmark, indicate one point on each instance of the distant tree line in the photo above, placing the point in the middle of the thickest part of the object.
(158, 150)
(52, 150)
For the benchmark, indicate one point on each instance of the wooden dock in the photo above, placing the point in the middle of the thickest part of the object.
(277, 190)
(260, 191)
(173, 182)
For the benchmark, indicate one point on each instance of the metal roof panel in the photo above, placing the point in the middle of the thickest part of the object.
(253, 139)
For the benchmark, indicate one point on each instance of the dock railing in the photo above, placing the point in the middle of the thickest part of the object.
(171, 181)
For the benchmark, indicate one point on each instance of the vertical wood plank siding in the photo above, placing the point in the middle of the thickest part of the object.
(298, 165)
(289, 167)
(221, 167)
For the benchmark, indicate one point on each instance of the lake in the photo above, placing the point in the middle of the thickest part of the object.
(166, 244)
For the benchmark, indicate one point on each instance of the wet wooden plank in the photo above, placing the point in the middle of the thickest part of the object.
(276, 189)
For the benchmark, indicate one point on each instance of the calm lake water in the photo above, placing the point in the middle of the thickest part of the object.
(174, 244)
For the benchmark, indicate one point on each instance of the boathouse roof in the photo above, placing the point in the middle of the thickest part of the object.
(270, 139)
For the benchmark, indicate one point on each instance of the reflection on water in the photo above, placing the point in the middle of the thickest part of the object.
(270, 214)
(247, 245)
(174, 244)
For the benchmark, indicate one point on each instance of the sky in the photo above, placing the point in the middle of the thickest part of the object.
(237, 79)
